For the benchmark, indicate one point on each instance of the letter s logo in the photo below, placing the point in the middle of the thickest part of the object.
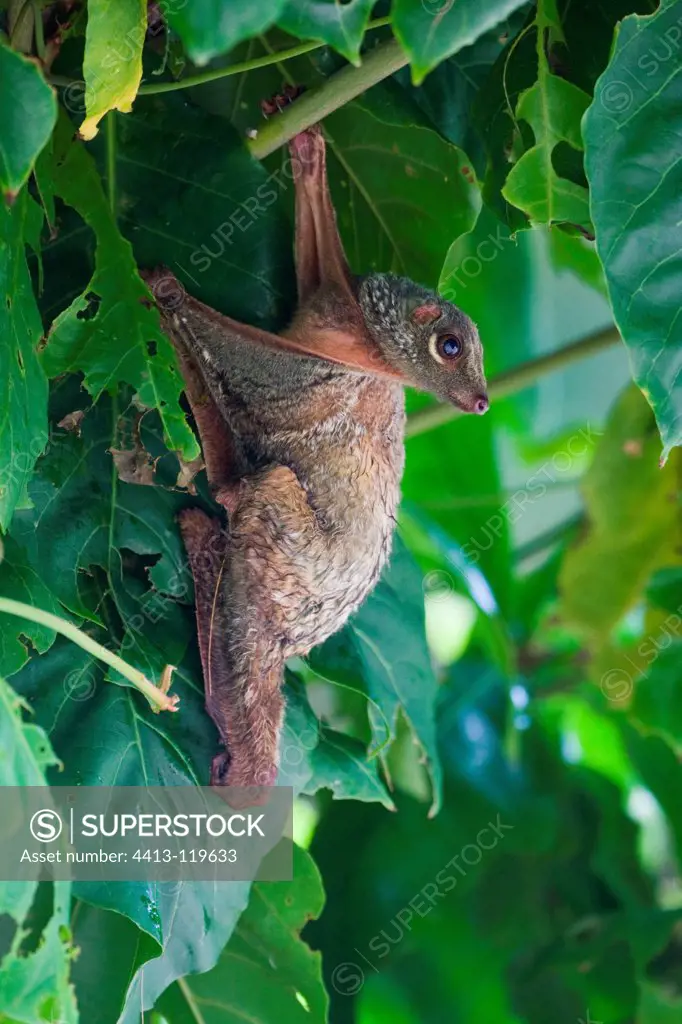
(46, 825)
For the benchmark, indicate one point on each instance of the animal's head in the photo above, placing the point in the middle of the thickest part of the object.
(427, 339)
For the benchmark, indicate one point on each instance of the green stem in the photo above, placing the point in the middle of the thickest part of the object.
(39, 30)
(154, 695)
(110, 136)
(214, 74)
(234, 69)
(337, 90)
(511, 381)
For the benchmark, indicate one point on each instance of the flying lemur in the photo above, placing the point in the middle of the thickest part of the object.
(302, 436)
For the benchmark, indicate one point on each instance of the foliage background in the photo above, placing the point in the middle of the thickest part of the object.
(524, 649)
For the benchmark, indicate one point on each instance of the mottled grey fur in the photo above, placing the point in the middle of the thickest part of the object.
(319, 450)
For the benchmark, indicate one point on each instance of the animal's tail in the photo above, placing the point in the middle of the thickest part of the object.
(242, 686)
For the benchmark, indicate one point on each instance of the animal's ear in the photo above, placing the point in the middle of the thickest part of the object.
(425, 312)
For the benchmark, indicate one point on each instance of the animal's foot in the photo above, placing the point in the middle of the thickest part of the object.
(168, 292)
(308, 148)
(244, 791)
(281, 100)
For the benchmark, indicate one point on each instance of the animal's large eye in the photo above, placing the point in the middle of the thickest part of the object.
(449, 346)
(444, 347)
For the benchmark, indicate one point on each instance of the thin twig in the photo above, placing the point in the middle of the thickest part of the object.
(214, 74)
(159, 700)
(336, 91)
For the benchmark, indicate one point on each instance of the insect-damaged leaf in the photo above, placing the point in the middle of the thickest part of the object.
(633, 159)
(112, 331)
(35, 985)
(112, 65)
(87, 537)
(314, 757)
(553, 108)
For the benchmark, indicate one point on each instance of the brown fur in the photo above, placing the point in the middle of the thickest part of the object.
(303, 440)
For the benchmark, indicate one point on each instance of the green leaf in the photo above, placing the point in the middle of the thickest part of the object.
(514, 71)
(20, 581)
(657, 1006)
(633, 515)
(35, 985)
(266, 972)
(431, 30)
(26, 749)
(314, 757)
(635, 199)
(23, 386)
(384, 646)
(338, 24)
(211, 27)
(553, 108)
(28, 111)
(76, 499)
(341, 764)
(112, 64)
(85, 536)
(432, 199)
(105, 737)
(657, 703)
(659, 770)
(448, 95)
(104, 937)
(389, 173)
(231, 245)
(112, 332)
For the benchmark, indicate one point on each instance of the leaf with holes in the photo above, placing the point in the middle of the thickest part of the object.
(23, 385)
(553, 108)
(633, 157)
(314, 757)
(22, 581)
(112, 331)
(35, 981)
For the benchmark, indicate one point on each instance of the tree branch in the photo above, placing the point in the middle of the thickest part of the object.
(158, 698)
(337, 90)
(511, 381)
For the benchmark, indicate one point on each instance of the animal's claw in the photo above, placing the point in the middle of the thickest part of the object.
(281, 100)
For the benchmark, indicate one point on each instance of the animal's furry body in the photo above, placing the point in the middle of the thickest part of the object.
(340, 436)
(302, 436)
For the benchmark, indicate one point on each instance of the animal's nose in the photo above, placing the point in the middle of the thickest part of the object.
(481, 404)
